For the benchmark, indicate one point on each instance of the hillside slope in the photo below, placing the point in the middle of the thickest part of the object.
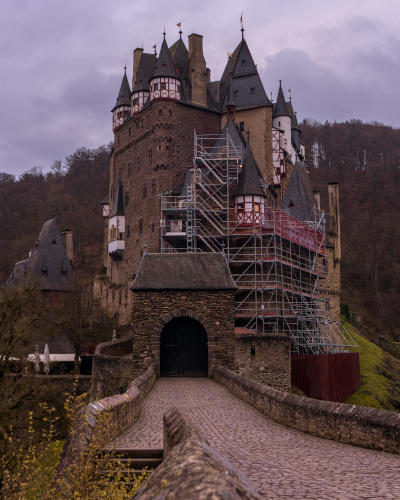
(380, 377)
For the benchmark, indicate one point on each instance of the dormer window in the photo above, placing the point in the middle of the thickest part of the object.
(244, 63)
(291, 204)
(164, 65)
(236, 93)
(44, 271)
(54, 242)
(64, 272)
(177, 70)
(252, 90)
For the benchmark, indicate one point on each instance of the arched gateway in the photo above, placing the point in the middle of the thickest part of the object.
(183, 349)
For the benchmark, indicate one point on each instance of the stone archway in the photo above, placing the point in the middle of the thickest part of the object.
(182, 314)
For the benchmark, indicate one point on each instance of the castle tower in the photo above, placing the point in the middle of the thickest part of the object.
(165, 83)
(281, 120)
(249, 195)
(122, 109)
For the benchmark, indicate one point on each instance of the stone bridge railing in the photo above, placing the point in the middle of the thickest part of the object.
(350, 424)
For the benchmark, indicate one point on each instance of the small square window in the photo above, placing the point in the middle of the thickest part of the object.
(236, 93)
(241, 126)
(160, 112)
(140, 226)
(136, 101)
(163, 86)
(156, 86)
(244, 63)
(177, 70)
(178, 88)
(169, 113)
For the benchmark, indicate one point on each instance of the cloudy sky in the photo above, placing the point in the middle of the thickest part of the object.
(62, 62)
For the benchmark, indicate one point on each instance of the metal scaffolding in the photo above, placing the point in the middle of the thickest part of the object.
(277, 261)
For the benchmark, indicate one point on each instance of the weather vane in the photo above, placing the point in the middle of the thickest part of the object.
(180, 27)
(271, 94)
(290, 93)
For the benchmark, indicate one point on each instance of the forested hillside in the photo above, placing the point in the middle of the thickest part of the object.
(71, 192)
(365, 159)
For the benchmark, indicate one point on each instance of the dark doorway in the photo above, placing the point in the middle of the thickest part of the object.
(183, 349)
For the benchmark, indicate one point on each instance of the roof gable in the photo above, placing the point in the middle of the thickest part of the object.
(48, 255)
(183, 271)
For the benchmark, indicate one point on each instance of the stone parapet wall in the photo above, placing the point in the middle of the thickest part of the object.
(111, 373)
(265, 358)
(191, 469)
(350, 424)
(124, 408)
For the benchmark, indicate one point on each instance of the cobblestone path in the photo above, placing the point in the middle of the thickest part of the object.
(282, 462)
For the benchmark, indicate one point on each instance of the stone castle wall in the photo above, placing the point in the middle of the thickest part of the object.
(151, 154)
(265, 358)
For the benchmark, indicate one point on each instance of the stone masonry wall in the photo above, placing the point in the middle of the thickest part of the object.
(350, 424)
(158, 146)
(191, 469)
(111, 373)
(114, 299)
(265, 358)
(212, 307)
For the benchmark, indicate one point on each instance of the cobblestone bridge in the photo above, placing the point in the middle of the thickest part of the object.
(282, 462)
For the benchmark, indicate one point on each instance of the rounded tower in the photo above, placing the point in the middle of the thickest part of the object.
(122, 109)
(166, 81)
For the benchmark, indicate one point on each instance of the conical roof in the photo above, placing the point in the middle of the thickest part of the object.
(231, 93)
(299, 198)
(281, 108)
(124, 96)
(249, 180)
(118, 205)
(165, 66)
(179, 54)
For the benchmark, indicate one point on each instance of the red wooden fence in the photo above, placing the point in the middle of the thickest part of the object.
(329, 377)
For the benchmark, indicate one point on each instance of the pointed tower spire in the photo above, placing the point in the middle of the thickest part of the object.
(249, 181)
(122, 109)
(165, 82)
(281, 108)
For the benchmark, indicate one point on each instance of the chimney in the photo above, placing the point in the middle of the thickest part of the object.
(197, 70)
(66, 235)
(334, 219)
(137, 55)
(208, 74)
(317, 196)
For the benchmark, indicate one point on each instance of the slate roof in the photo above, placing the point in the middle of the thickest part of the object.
(179, 54)
(245, 77)
(48, 254)
(299, 193)
(237, 138)
(145, 72)
(212, 88)
(183, 271)
(118, 205)
(280, 108)
(106, 201)
(292, 114)
(124, 96)
(230, 94)
(165, 57)
(249, 179)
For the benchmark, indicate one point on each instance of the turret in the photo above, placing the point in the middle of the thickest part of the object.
(249, 195)
(116, 223)
(122, 109)
(165, 83)
(281, 120)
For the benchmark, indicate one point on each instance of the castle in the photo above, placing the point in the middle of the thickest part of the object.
(211, 218)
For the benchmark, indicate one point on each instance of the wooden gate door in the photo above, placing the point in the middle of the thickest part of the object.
(183, 349)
